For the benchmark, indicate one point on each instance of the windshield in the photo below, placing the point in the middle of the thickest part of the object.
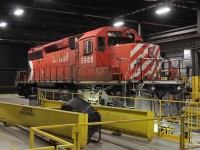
(119, 40)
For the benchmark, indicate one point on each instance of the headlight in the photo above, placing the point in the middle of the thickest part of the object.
(153, 88)
(178, 88)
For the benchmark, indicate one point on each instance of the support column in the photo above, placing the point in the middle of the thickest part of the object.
(195, 65)
(198, 20)
(139, 29)
(195, 75)
(162, 74)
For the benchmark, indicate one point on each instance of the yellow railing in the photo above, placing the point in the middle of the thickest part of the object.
(192, 115)
(159, 101)
(75, 145)
(63, 144)
(190, 105)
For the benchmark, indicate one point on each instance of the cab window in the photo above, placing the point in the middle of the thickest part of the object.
(114, 41)
(101, 43)
(87, 47)
(114, 37)
(130, 38)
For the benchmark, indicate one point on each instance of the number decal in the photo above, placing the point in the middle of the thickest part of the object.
(87, 60)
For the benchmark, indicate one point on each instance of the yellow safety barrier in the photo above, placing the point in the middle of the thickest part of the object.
(50, 103)
(26, 115)
(77, 145)
(143, 129)
(63, 143)
(193, 124)
(34, 116)
(137, 128)
(159, 101)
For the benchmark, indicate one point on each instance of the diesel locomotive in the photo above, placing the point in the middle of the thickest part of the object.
(109, 60)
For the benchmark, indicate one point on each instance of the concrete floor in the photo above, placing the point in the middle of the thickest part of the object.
(15, 139)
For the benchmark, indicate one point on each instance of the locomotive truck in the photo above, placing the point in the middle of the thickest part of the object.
(109, 60)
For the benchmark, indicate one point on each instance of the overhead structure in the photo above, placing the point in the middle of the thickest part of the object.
(41, 21)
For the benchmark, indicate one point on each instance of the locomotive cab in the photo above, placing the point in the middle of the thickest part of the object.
(96, 52)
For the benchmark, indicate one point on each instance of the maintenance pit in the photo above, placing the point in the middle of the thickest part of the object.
(17, 139)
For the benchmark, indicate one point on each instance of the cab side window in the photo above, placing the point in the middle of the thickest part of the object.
(87, 47)
(101, 43)
(130, 38)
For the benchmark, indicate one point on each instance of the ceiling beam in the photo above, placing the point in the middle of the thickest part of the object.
(140, 10)
(48, 24)
(154, 6)
(76, 12)
(32, 9)
(99, 16)
(183, 6)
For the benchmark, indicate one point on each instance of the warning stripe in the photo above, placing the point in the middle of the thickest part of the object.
(157, 49)
(140, 53)
(135, 49)
(145, 62)
(154, 73)
(148, 66)
(156, 68)
(137, 54)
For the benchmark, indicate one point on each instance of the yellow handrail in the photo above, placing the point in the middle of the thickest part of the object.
(74, 146)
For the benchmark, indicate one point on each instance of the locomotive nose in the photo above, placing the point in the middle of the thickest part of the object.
(136, 60)
(144, 61)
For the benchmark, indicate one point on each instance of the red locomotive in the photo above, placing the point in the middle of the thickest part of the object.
(108, 58)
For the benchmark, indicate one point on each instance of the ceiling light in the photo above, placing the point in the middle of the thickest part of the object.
(162, 10)
(3, 24)
(118, 23)
(18, 12)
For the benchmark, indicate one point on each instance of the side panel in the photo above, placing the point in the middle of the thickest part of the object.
(54, 66)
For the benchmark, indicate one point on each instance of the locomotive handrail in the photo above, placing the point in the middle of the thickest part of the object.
(37, 73)
(160, 101)
(38, 76)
